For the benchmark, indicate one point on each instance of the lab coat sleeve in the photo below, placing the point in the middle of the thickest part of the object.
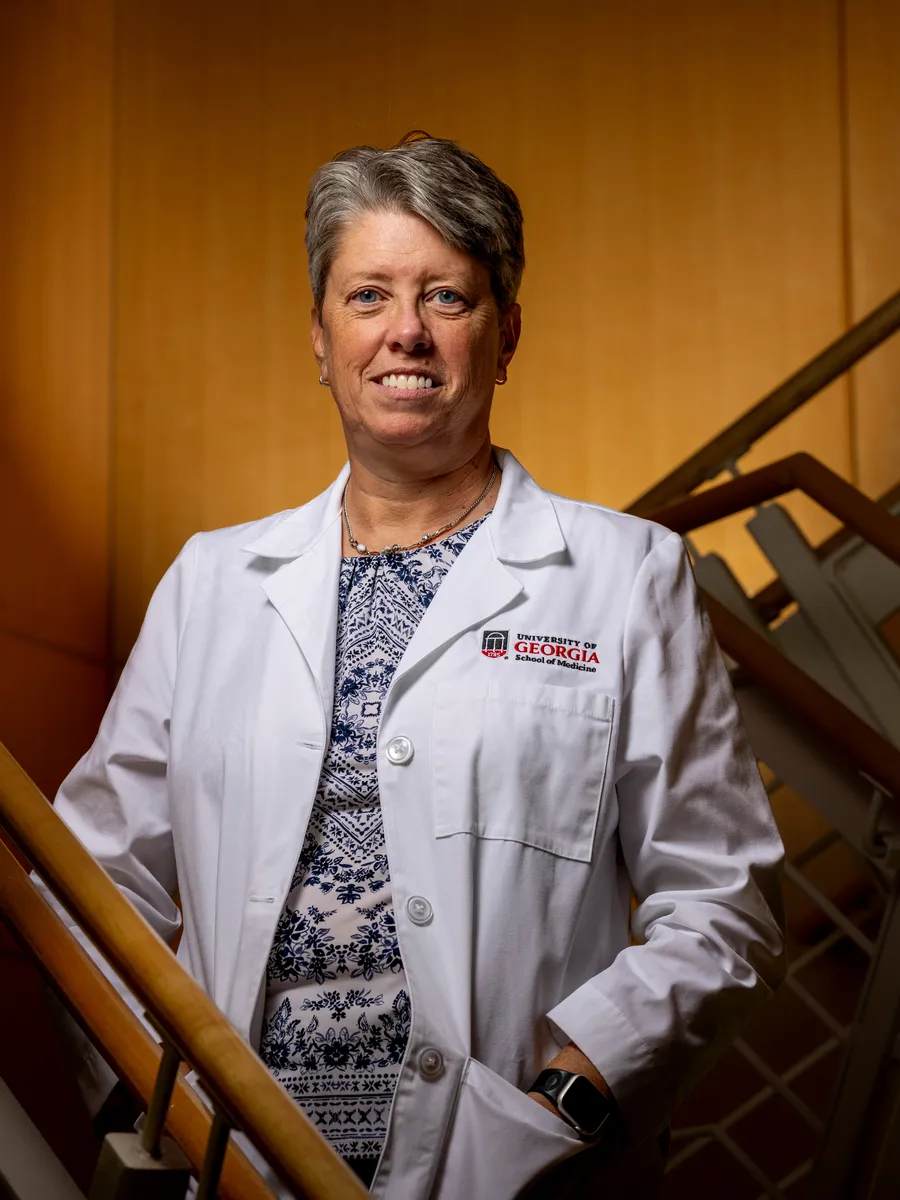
(115, 800)
(702, 852)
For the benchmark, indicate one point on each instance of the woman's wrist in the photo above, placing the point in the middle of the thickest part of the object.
(570, 1058)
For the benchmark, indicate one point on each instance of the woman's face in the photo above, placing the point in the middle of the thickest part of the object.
(402, 307)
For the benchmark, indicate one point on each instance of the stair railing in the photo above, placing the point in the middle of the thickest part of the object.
(798, 472)
(243, 1092)
(110, 1024)
(735, 440)
(756, 656)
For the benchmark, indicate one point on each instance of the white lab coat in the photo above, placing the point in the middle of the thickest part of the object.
(536, 796)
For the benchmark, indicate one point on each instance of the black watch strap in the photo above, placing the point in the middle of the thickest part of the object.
(580, 1104)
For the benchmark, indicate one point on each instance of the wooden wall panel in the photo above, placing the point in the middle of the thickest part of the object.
(55, 132)
(873, 133)
(696, 202)
(51, 703)
(679, 168)
(55, 147)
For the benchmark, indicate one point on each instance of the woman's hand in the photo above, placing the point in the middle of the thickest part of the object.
(570, 1058)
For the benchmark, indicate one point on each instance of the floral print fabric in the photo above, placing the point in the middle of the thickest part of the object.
(337, 1012)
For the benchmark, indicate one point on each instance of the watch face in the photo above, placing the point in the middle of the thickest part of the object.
(584, 1105)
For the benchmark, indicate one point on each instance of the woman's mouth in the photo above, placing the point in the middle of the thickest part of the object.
(407, 383)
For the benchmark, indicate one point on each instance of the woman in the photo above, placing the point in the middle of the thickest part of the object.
(406, 750)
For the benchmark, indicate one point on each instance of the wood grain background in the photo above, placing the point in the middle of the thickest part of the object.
(711, 191)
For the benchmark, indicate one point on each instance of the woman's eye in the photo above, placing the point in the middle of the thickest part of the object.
(367, 296)
(448, 296)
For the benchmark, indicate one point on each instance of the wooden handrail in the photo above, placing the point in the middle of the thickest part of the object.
(735, 440)
(111, 1025)
(801, 472)
(236, 1078)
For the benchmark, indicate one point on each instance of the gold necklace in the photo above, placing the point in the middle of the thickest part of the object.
(426, 537)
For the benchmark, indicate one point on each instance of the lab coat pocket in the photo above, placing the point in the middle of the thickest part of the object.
(523, 763)
(500, 1141)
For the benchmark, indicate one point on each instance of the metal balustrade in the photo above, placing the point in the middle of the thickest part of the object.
(690, 1139)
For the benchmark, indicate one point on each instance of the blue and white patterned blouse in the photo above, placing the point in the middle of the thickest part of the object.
(337, 1010)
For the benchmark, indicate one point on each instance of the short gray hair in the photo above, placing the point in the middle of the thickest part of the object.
(455, 192)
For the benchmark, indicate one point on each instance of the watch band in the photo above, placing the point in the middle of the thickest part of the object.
(579, 1103)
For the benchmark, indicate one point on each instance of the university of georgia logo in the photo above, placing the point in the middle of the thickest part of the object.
(495, 643)
(549, 650)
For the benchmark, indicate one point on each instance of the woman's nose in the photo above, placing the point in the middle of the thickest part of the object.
(407, 330)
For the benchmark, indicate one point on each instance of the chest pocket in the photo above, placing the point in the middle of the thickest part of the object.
(525, 764)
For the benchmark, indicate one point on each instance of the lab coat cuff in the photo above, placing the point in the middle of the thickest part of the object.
(603, 1033)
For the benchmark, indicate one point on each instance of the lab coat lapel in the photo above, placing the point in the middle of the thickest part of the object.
(303, 590)
(476, 587)
(298, 562)
(304, 594)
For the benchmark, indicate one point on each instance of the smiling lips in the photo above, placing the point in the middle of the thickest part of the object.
(410, 383)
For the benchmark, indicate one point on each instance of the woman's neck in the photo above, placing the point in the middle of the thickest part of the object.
(388, 510)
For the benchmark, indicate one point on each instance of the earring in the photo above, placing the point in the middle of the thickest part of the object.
(501, 380)
(323, 382)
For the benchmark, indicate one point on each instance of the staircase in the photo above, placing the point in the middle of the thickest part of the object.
(787, 1112)
(807, 1103)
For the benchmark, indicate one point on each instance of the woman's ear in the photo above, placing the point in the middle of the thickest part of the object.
(317, 337)
(510, 330)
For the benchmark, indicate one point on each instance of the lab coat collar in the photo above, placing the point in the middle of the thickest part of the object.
(523, 527)
(300, 530)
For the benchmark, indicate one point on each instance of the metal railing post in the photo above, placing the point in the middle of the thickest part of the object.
(151, 1131)
(215, 1156)
(136, 1166)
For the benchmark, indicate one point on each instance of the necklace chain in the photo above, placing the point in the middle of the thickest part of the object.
(426, 537)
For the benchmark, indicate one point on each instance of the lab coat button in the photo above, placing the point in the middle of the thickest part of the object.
(431, 1063)
(420, 910)
(399, 750)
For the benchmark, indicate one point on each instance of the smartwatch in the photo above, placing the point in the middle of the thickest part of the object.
(581, 1105)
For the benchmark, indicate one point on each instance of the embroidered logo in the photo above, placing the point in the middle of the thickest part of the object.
(554, 651)
(495, 643)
